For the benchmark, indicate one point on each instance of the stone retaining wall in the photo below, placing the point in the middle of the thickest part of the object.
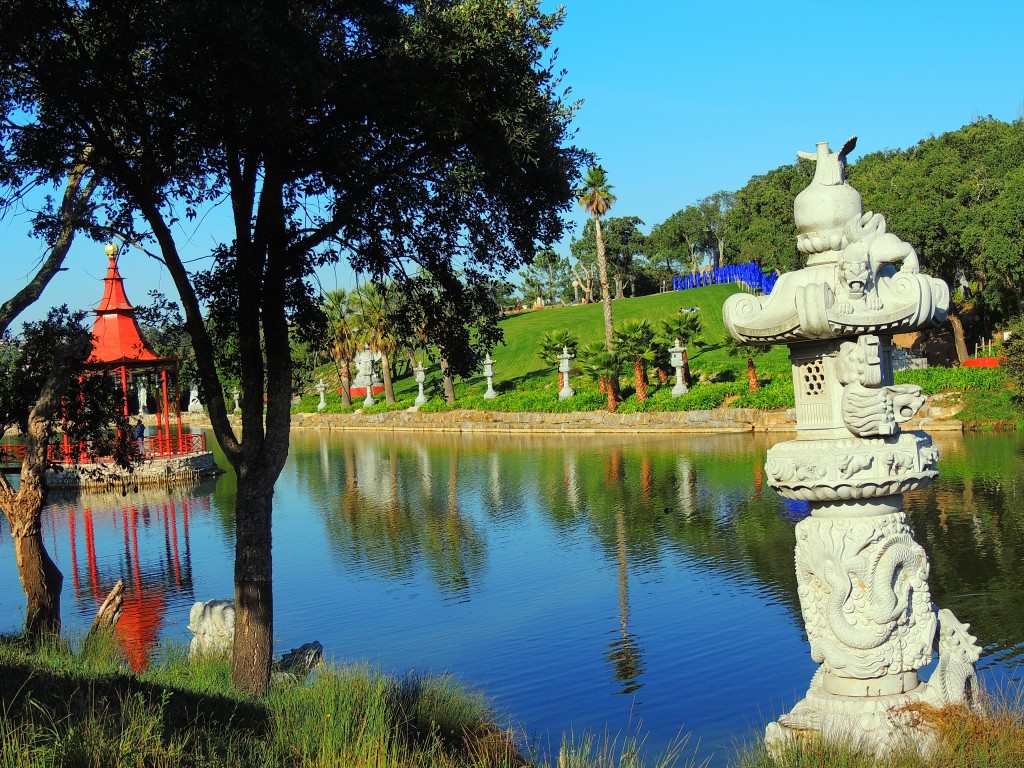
(179, 469)
(932, 418)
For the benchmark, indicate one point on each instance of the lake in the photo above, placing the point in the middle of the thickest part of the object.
(602, 583)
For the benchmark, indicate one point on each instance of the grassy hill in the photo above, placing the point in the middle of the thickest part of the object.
(518, 365)
(518, 358)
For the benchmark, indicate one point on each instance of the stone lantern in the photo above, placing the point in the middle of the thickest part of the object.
(490, 394)
(366, 374)
(564, 367)
(321, 389)
(862, 578)
(676, 359)
(421, 376)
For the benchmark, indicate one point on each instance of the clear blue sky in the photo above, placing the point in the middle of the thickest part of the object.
(682, 99)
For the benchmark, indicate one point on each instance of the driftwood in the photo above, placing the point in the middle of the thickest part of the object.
(108, 615)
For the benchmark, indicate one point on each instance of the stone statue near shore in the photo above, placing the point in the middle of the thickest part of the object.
(862, 577)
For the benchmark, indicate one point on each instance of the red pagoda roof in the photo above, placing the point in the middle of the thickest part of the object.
(117, 339)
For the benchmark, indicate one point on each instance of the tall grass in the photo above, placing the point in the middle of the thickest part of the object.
(61, 709)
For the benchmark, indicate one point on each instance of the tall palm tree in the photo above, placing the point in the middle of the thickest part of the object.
(686, 327)
(634, 341)
(595, 195)
(373, 304)
(342, 338)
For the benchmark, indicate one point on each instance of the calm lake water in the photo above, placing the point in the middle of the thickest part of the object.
(585, 583)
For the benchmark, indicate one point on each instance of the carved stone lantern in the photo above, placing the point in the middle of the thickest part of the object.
(421, 376)
(490, 394)
(676, 359)
(321, 389)
(366, 373)
(862, 578)
(564, 367)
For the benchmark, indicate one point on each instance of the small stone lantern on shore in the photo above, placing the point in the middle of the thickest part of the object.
(366, 373)
(676, 358)
(421, 376)
(564, 367)
(321, 389)
(490, 394)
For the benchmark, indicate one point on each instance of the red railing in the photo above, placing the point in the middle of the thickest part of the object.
(189, 442)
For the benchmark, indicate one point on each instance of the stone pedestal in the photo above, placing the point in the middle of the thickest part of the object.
(564, 367)
(862, 577)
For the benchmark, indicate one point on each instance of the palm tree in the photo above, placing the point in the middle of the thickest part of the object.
(750, 351)
(551, 346)
(634, 341)
(686, 327)
(373, 304)
(595, 195)
(342, 338)
(603, 367)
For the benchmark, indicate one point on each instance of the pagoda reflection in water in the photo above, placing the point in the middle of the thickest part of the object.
(108, 527)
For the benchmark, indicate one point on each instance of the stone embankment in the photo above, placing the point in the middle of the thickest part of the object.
(719, 420)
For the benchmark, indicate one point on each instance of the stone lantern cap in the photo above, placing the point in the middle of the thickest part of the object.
(860, 279)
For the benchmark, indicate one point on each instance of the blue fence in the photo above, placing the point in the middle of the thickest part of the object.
(749, 273)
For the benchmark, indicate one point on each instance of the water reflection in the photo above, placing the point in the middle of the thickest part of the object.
(109, 527)
(583, 581)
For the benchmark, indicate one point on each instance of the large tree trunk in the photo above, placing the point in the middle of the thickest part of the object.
(254, 593)
(346, 383)
(613, 401)
(606, 296)
(39, 575)
(449, 382)
(385, 371)
(959, 340)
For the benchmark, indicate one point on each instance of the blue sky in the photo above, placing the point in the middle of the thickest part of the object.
(682, 99)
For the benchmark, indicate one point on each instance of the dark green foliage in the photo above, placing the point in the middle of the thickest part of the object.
(776, 394)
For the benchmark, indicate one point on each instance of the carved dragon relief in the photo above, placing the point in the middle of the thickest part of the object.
(864, 595)
(869, 409)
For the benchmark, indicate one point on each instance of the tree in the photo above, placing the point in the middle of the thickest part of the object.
(595, 195)
(552, 344)
(749, 351)
(42, 380)
(395, 134)
(549, 277)
(714, 211)
(760, 225)
(373, 308)
(624, 243)
(342, 338)
(685, 328)
(634, 341)
(604, 367)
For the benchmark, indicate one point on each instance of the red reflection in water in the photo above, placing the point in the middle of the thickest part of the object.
(146, 585)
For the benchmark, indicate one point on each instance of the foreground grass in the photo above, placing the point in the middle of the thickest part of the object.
(62, 709)
(964, 739)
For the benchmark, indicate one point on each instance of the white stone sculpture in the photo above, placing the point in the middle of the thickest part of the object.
(321, 389)
(236, 394)
(194, 406)
(862, 578)
(213, 625)
(421, 376)
(676, 353)
(490, 394)
(143, 398)
(564, 367)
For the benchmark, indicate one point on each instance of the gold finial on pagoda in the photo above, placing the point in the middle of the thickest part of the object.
(111, 250)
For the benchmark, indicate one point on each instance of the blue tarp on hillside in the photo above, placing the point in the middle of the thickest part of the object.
(749, 273)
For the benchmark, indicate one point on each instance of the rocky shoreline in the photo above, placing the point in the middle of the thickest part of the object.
(720, 420)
